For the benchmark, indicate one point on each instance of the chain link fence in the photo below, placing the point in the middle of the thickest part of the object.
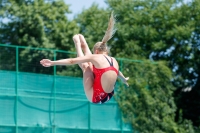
(35, 99)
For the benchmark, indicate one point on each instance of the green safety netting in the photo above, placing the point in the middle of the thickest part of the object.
(34, 99)
(44, 103)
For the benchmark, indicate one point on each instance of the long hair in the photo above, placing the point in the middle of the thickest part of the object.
(102, 46)
(110, 30)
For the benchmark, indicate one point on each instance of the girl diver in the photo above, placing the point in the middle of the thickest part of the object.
(100, 71)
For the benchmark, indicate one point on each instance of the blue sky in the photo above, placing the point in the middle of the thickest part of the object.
(76, 6)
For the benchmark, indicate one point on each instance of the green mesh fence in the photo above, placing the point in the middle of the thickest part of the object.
(34, 99)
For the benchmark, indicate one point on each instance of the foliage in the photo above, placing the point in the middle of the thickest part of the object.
(93, 23)
(150, 25)
(40, 24)
(185, 58)
(163, 30)
(148, 29)
(148, 103)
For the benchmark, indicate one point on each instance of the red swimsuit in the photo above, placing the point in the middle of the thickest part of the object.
(99, 95)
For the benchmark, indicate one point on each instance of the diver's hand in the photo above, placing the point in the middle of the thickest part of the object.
(46, 62)
(125, 81)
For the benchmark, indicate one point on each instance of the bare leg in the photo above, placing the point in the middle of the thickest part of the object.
(85, 47)
(88, 77)
(78, 49)
(88, 80)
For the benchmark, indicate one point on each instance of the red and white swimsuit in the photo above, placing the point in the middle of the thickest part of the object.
(99, 95)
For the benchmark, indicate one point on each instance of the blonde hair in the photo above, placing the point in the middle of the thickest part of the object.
(102, 46)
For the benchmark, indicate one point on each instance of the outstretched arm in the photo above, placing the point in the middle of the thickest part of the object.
(70, 61)
(124, 80)
(48, 63)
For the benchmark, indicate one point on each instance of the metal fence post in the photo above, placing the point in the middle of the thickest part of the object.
(89, 117)
(122, 124)
(54, 87)
(16, 87)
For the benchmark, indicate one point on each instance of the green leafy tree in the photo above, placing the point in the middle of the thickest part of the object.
(159, 30)
(148, 103)
(185, 58)
(148, 26)
(40, 24)
(156, 30)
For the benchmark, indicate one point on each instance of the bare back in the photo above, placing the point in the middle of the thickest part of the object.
(109, 77)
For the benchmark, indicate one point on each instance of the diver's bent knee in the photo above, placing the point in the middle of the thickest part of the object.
(74, 36)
